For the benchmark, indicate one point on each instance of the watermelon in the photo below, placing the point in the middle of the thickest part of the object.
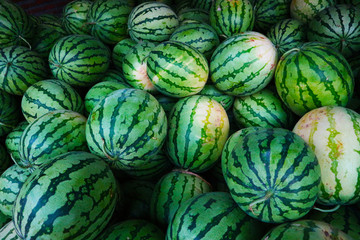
(11, 182)
(108, 20)
(194, 14)
(212, 92)
(128, 127)
(9, 112)
(313, 76)
(172, 190)
(306, 229)
(5, 160)
(269, 12)
(20, 68)
(198, 35)
(287, 34)
(198, 129)
(79, 60)
(304, 11)
(152, 21)
(53, 133)
(16, 27)
(273, 175)
(8, 232)
(339, 27)
(230, 17)
(120, 50)
(71, 197)
(213, 216)
(46, 19)
(50, 95)
(177, 69)
(12, 140)
(134, 229)
(134, 67)
(75, 16)
(201, 4)
(333, 134)
(262, 109)
(114, 75)
(243, 64)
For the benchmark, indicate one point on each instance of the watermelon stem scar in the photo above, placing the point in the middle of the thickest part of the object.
(107, 152)
(327, 210)
(268, 194)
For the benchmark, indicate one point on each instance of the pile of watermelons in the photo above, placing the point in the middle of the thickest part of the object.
(194, 119)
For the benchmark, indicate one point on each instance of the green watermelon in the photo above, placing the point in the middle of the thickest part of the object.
(201, 4)
(194, 14)
(12, 140)
(120, 50)
(75, 16)
(198, 129)
(313, 76)
(333, 134)
(50, 95)
(9, 112)
(79, 60)
(304, 11)
(230, 17)
(11, 182)
(20, 68)
(212, 92)
(8, 232)
(177, 69)
(213, 216)
(152, 21)
(108, 20)
(71, 197)
(273, 175)
(172, 190)
(339, 27)
(128, 127)
(53, 133)
(243, 64)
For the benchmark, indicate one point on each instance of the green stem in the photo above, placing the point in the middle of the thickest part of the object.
(327, 210)
(268, 194)
(25, 41)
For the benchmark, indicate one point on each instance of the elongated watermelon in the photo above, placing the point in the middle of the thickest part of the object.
(73, 196)
(75, 16)
(9, 112)
(198, 129)
(313, 76)
(333, 134)
(79, 60)
(243, 64)
(273, 175)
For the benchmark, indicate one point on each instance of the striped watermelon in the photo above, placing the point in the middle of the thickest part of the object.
(333, 133)
(269, 12)
(9, 112)
(304, 11)
(11, 182)
(273, 175)
(134, 67)
(134, 229)
(52, 134)
(5, 160)
(8, 232)
(128, 127)
(12, 141)
(230, 17)
(213, 216)
(120, 50)
(176, 69)
(79, 60)
(20, 68)
(339, 27)
(75, 17)
(306, 229)
(46, 18)
(16, 27)
(312, 76)
(172, 190)
(114, 75)
(152, 21)
(108, 20)
(71, 197)
(137, 201)
(194, 14)
(212, 92)
(198, 129)
(346, 219)
(201, 4)
(50, 95)
(167, 2)
(182, 5)
(262, 109)
(287, 34)
(100, 90)
(198, 35)
(243, 64)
